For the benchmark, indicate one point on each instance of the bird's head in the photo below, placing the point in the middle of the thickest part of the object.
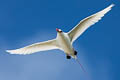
(58, 30)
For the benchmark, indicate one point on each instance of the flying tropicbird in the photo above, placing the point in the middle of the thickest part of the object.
(64, 40)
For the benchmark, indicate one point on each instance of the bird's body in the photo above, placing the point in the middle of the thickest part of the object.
(64, 41)
(65, 44)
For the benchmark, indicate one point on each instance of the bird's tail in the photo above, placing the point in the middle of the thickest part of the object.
(80, 64)
(87, 76)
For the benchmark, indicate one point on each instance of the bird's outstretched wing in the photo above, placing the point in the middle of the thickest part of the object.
(86, 23)
(47, 45)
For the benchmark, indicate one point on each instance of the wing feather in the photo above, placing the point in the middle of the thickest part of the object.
(86, 23)
(47, 45)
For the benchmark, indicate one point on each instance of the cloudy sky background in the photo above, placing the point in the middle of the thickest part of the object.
(23, 22)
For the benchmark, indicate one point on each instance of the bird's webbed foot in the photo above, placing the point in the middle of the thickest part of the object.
(68, 57)
(75, 52)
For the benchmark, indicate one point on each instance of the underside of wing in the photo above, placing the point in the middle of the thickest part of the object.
(86, 23)
(42, 46)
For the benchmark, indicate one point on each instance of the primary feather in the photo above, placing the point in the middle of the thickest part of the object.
(47, 45)
(86, 23)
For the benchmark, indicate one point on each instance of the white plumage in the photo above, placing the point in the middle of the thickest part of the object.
(63, 40)
(86, 23)
(47, 45)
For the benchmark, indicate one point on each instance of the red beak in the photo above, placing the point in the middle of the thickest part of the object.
(57, 29)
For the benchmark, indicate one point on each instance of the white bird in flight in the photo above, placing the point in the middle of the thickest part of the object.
(64, 41)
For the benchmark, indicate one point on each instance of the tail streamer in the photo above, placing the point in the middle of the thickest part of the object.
(80, 65)
(87, 76)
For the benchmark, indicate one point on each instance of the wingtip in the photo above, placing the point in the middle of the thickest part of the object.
(8, 51)
(112, 5)
(16, 52)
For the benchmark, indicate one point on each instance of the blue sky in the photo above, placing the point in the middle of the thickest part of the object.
(23, 22)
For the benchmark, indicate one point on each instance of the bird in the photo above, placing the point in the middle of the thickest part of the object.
(64, 40)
